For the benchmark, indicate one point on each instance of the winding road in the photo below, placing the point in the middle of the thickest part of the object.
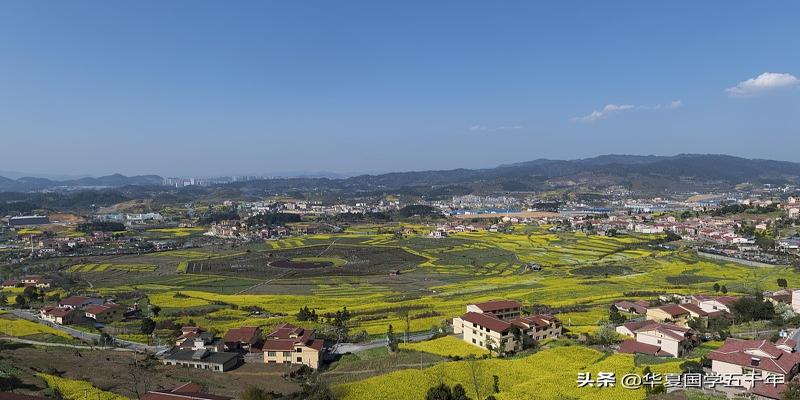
(87, 336)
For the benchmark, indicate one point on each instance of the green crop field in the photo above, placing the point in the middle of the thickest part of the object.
(85, 268)
(581, 276)
(547, 374)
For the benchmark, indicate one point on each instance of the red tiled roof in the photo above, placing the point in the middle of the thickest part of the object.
(58, 311)
(694, 308)
(74, 301)
(187, 391)
(244, 334)
(734, 351)
(487, 321)
(768, 390)
(631, 346)
(317, 344)
(786, 341)
(539, 320)
(100, 308)
(673, 309)
(278, 345)
(496, 305)
(727, 300)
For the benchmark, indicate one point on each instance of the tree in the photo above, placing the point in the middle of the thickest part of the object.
(496, 383)
(782, 283)
(792, 391)
(3, 299)
(607, 334)
(155, 310)
(148, 326)
(459, 393)
(20, 300)
(716, 287)
(615, 317)
(255, 393)
(439, 392)
(723, 289)
(391, 339)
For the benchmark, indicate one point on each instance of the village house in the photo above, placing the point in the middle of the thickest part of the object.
(188, 332)
(290, 344)
(60, 315)
(656, 338)
(36, 281)
(104, 313)
(202, 359)
(485, 330)
(539, 327)
(242, 339)
(711, 304)
(78, 302)
(187, 391)
(481, 327)
(760, 357)
(501, 309)
(203, 340)
(669, 313)
(634, 307)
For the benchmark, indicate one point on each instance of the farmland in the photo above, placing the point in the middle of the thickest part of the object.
(581, 275)
(555, 371)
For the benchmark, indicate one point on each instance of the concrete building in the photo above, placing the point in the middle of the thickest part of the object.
(202, 359)
(105, 313)
(761, 357)
(501, 309)
(290, 344)
(656, 338)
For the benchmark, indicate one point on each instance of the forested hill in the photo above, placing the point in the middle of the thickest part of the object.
(685, 172)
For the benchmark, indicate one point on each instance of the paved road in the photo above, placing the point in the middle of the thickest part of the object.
(71, 346)
(87, 336)
(344, 348)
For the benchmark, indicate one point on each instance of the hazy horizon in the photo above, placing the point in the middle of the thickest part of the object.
(210, 89)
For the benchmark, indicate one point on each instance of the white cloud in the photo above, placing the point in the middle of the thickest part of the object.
(610, 109)
(484, 128)
(605, 112)
(762, 83)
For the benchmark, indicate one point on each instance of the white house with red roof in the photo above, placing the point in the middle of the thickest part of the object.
(289, 344)
(501, 309)
(481, 327)
(78, 302)
(60, 315)
(104, 313)
(244, 338)
(759, 357)
(656, 338)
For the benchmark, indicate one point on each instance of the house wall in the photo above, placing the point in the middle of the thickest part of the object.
(667, 344)
(478, 336)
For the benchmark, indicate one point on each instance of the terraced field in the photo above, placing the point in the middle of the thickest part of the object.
(581, 276)
(86, 268)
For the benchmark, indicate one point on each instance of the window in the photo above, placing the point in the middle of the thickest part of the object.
(270, 354)
(658, 341)
(473, 340)
(298, 350)
(287, 353)
(299, 359)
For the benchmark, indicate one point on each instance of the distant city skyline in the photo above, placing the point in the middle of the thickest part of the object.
(259, 88)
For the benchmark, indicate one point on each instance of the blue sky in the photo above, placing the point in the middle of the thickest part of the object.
(212, 88)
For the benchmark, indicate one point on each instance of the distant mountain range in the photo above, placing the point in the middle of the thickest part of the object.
(27, 184)
(684, 172)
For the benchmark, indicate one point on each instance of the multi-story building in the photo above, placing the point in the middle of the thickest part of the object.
(290, 344)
